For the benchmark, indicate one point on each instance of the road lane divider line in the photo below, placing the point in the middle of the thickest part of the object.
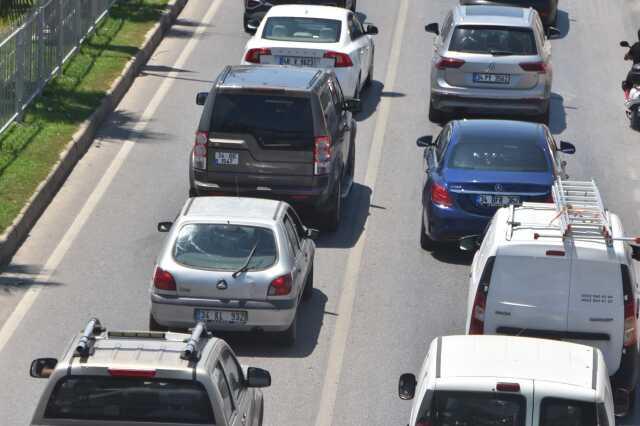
(13, 321)
(354, 261)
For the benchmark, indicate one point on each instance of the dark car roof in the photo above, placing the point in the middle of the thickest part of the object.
(270, 76)
(474, 131)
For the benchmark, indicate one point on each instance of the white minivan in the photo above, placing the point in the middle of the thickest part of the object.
(560, 271)
(509, 381)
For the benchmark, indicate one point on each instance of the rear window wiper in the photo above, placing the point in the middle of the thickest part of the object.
(496, 52)
(245, 267)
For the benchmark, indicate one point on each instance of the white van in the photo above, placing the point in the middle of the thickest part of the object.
(509, 381)
(560, 271)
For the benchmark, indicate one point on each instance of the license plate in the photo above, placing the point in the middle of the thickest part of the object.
(479, 77)
(226, 159)
(497, 200)
(298, 61)
(221, 317)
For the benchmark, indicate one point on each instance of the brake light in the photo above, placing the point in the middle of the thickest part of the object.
(539, 67)
(549, 199)
(322, 155)
(629, 321)
(476, 325)
(554, 253)
(253, 55)
(163, 280)
(445, 62)
(424, 423)
(200, 150)
(440, 196)
(144, 374)
(508, 387)
(341, 59)
(281, 286)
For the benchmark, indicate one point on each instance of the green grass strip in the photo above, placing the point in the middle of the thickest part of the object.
(28, 150)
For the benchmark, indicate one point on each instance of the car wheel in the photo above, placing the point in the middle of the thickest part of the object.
(367, 82)
(331, 218)
(288, 337)
(155, 326)
(307, 293)
(436, 115)
(635, 118)
(425, 241)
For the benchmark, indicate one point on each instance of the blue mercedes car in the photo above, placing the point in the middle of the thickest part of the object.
(475, 167)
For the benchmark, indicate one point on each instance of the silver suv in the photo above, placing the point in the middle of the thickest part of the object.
(490, 59)
(142, 377)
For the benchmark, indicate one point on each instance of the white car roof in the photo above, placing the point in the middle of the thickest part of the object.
(518, 358)
(308, 11)
(493, 15)
(231, 209)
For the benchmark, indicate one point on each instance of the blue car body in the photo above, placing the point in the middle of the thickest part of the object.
(466, 211)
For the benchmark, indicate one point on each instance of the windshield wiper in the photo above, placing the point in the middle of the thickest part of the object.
(495, 52)
(245, 267)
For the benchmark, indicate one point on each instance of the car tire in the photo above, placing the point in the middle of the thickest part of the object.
(155, 326)
(436, 115)
(426, 243)
(331, 216)
(288, 337)
(635, 118)
(307, 292)
(369, 80)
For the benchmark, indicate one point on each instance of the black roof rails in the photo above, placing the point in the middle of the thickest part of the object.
(85, 345)
(191, 351)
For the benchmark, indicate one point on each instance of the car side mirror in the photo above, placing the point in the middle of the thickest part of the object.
(42, 368)
(469, 243)
(313, 233)
(635, 252)
(432, 28)
(164, 226)
(371, 29)
(353, 105)
(553, 32)
(201, 98)
(624, 44)
(407, 386)
(424, 141)
(567, 147)
(258, 378)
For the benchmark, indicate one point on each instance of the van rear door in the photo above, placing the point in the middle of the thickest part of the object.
(596, 308)
(528, 296)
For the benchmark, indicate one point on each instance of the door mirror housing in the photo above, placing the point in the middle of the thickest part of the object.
(42, 368)
(258, 378)
(635, 252)
(624, 44)
(425, 141)
(567, 147)
(352, 105)
(164, 226)
(201, 98)
(432, 28)
(313, 233)
(371, 29)
(470, 242)
(553, 32)
(407, 386)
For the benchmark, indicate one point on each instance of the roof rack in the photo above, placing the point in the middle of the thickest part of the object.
(191, 351)
(87, 339)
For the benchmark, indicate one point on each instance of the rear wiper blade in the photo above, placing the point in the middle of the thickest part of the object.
(245, 267)
(502, 52)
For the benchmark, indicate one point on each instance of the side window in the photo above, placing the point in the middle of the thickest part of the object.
(424, 414)
(234, 374)
(223, 387)
(328, 108)
(355, 29)
(443, 141)
(446, 26)
(602, 415)
(291, 235)
(297, 223)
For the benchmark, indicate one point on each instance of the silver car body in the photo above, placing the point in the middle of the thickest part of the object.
(527, 92)
(202, 289)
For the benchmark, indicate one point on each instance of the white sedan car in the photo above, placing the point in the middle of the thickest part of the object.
(316, 36)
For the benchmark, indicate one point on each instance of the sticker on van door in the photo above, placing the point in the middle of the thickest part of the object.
(596, 298)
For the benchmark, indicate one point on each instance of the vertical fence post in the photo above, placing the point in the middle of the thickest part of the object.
(40, 49)
(19, 75)
(60, 30)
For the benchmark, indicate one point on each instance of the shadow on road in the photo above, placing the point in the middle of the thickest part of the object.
(16, 277)
(121, 126)
(370, 98)
(558, 116)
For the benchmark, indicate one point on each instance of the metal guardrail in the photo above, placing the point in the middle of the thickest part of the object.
(35, 52)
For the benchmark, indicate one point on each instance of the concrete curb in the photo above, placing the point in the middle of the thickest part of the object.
(18, 231)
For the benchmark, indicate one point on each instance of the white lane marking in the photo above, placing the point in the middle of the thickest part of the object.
(30, 296)
(350, 281)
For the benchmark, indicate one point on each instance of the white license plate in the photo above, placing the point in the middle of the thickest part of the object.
(226, 158)
(479, 77)
(298, 61)
(497, 200)
(221, 317)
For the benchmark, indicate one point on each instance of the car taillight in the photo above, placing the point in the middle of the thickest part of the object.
(341, 59)
(539, 67)
(163, 280)
(143, 374)
(476, 325)
(253, 55)
(445, 62)
(549, 199)
(629, 321)
(281, 286)
(200, 150)
(508, 387)
(423, 423)
(253, 3)
(322, 155)
(440, 196)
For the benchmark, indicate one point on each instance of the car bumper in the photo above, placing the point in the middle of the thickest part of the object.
(179, 312)
(451, 223)
(475, 103)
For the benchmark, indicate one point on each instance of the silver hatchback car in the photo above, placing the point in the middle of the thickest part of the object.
(491, 59)
(238, 264)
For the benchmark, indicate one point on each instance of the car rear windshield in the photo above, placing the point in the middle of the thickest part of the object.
(129, 400)
(479, 408)
(277, 122)
(498, 156)
(567, 412)
(225, 246)
(312, 30)
(493, 40)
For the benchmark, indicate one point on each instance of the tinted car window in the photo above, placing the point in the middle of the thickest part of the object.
(467, 408)
(566, 412)
(130, 400)
(224, 246)
(223, 387)
(498, 156)
(275, 121)
(496, 40)
(355, 28)
(233, 373)
(302, 29)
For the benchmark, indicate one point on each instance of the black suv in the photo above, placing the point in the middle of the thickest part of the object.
(254, 10)
(277, 132)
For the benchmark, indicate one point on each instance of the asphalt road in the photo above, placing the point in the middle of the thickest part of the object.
(379, 299)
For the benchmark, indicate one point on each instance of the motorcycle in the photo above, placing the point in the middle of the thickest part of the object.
(631, 98)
